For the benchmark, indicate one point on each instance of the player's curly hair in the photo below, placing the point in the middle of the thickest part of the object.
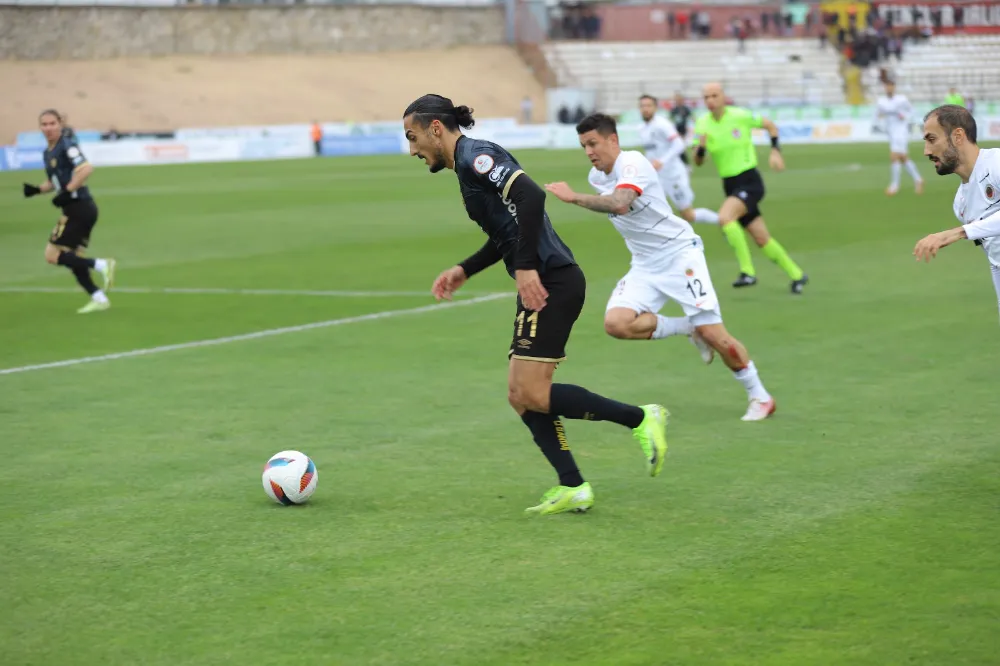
(953, 117)
(432, 107)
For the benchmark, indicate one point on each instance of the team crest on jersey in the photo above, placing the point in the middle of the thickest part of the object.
(990, 192)
(736, 134)
(482, 164)
(52, 162)
(689, 272)
(630, 171)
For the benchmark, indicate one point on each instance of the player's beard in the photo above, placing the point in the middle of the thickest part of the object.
(437, 162)
(948, 161)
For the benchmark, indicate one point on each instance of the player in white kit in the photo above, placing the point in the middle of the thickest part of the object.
(663, 146)
(895, 113)
(668, 259)
(950, 143)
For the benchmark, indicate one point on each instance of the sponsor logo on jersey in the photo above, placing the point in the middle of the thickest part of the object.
(990, 192)
(523, 343)
(482, 164)
(498, 173)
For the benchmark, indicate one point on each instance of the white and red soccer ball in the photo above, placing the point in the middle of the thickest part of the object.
(290, 477)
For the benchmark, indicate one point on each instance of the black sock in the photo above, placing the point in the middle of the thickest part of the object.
(684, 157)
(72, 261)
(550, 437)
(82, 276)
(576, 402)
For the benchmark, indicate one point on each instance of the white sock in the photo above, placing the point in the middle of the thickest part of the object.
(100, 265)
(911, 169)
(99, 296)
(751, 382)
(895, 171)
(667, 326)
(706, 216)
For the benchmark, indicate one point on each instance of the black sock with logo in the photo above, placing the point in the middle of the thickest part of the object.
(547, 429)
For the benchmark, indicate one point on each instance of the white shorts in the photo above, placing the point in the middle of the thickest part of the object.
(677, 186)
(899, 141)
(684, 280)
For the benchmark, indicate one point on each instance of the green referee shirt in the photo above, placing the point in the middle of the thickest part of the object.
(954, 98)
(728, 140)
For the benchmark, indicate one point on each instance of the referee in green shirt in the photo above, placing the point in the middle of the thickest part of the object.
(954, 97)
(725, 134)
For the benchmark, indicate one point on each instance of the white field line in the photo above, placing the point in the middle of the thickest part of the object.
(268, 333)
(230, 292)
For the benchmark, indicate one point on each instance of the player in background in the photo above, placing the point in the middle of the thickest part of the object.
(725, 133)
(67, 171)
(668, 259)
(664, 146)
(950, 144)
(895, 112)
(680, 116)
(510, 208)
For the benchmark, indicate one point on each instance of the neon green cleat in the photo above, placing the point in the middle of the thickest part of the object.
(94, 306)
(562, 499)
(652, 436)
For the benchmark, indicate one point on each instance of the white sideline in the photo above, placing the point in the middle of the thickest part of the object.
(252, 336)
(223, 291)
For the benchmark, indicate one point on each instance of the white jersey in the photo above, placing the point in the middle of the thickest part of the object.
(896, 112)
(661, 141)
(652, 233)
(979, 199)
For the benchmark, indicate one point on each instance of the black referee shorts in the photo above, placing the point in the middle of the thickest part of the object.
(73, 229)
(542, 336)
(748, 187)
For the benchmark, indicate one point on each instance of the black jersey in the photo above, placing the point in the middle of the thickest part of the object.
(61, 160)
(680, 116)
(485, 173)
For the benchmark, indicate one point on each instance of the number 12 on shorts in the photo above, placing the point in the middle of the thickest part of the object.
(696, 288)
(532, 319)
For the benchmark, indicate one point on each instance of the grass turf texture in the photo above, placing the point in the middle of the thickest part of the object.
(856, 527)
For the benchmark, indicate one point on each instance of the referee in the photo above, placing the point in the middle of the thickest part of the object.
(67, 171)
(725, 133)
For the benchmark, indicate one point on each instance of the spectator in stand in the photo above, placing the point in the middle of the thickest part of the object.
(671, 24)
(591, 23)
(704, 24)
(959, 17)
(683, 18)
(564, 116)
(581, 113)
(936, 19)
(527, 106)
(810, 18)
(765, 20)
(316, 133)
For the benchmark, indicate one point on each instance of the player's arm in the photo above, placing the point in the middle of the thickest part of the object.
(42, 188)
(617, 202)
(482, 259)
(81, 168)
(775, 160)
(675, 147)
(927, 248)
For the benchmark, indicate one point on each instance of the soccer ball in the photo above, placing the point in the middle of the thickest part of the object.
(290, 477)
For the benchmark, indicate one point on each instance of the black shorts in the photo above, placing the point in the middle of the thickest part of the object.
(748, 187)
(542, 336)
(73, 228)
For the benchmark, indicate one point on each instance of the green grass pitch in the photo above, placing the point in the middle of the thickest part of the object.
(856, 527)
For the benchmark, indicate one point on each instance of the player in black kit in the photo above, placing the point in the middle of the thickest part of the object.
(680, 116)
(510, 208)
(67, 171)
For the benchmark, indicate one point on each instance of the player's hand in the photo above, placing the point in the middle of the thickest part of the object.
(64, 198)
(448, 283)
(31, 190)
(928, 246)
(563, 192)
(657, 164)
(529, 286)
(776, 161)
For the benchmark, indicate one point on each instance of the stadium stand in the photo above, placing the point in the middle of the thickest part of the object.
(928, 69)
(770, 70)
(191, 91)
